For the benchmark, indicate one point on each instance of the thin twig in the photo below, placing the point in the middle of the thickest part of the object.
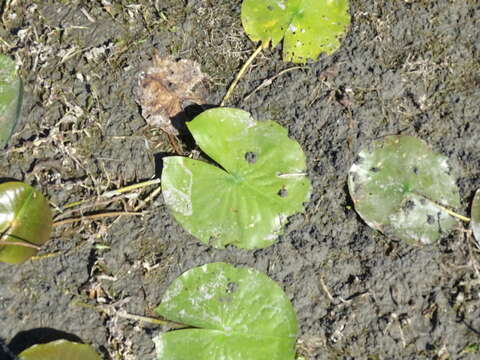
(89, 205)
(112, 312)
(269, 81)
(149, 198)
(242, 72)
(116, 192)
(452, 213)
(172, 139)
(448, 211)
(96, 216)
(325, 289)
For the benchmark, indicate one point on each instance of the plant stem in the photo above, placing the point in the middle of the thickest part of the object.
(96, 216)
(20, 243)
(119, 191)
(242, 72)
(269, 81)
(453, 213)
(149, 198)
(125, 315)
(448, 211)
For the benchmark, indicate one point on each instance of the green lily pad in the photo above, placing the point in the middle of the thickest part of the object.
(25, 219)
(475, 222)
(11, 91)
(308, 27)
(59, 350)
(263, 180)
(403, 189)
(237, 313)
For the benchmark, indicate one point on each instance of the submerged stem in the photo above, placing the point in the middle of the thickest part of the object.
(242, 72)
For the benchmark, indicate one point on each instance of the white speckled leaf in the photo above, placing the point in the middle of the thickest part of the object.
(248, 203)
(475, 224)
(400, 187)
(11, 90)
(308, 27)
(238, 314)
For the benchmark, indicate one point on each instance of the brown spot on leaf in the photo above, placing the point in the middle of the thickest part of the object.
(164, 87)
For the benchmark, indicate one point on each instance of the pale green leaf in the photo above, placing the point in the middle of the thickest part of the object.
(11, 90)
(247, 203)
(238, 314)
(402, 188)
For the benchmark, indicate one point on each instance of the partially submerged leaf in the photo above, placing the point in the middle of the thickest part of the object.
(59, 350)
(164, 87)
(238, 313)
(25, 220)
(10, 98)
(402, 188)
(308, 27)
(475, 222)
(248, 203)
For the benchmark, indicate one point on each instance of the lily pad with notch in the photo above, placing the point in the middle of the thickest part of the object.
(59, 350)
(25, 222)
(246, 202)
(307, 27)
(234, 313)
(404, 189)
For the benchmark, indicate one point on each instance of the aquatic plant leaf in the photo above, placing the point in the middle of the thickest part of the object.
(402, 188)
(248, 203)
(59, 350)
(11, 91)
(25, 218)
(237, 313)
(475, 222)
(308, 27)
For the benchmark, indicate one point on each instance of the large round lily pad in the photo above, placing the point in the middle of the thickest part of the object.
(263, 180)
(402, 188)
(10, 98)
(308, 27)
(237, 313)
(475, 222)
(25, 219)
(59, 350)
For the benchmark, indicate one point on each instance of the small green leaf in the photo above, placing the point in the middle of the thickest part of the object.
(238, 313)
(248, 203)
(25, 218)
(11, 90)
(471, 348)
(402, 188)
(59, 350)
(308, 27)
(475, 224)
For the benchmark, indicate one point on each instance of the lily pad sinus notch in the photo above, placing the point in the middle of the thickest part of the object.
(245, 202)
